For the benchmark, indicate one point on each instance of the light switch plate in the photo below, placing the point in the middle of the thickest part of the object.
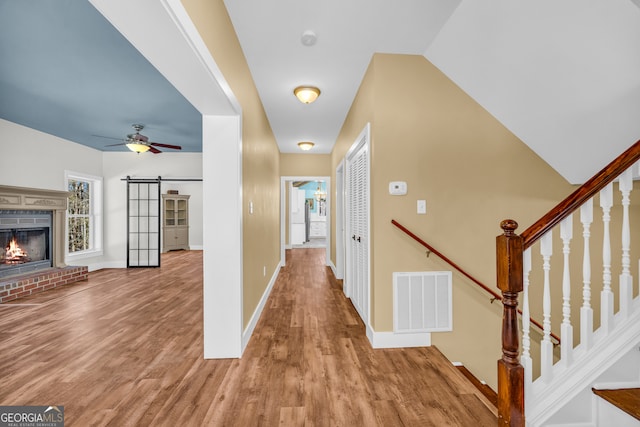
(422, 206)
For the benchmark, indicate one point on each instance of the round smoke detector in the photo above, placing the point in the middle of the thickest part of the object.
(308, 38)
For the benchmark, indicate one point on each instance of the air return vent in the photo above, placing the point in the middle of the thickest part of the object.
(422, 302)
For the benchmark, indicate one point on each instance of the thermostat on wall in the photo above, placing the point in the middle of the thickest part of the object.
(398, 188)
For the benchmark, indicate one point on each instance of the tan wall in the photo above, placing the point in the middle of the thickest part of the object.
(260, 154)
(297, 164)
(471, 171)
(305, 164)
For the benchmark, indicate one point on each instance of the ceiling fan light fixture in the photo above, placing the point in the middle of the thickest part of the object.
(306, 145)
(138, 148)
(306, 94)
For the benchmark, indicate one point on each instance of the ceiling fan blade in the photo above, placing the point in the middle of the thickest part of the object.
(113, 145)
(157, 144)
(154, 150)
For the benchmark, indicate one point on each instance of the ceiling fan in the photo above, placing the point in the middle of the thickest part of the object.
(140, 144)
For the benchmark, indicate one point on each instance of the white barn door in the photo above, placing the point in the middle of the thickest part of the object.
(357, 201)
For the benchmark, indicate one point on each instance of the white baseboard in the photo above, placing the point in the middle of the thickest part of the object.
(393, 340)
(248, 331)
(102, 265)
(332, 267)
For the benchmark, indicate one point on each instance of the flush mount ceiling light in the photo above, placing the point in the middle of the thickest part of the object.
(306, 94)
(137, 147)
(305, 145)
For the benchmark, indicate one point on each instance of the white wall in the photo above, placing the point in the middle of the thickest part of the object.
(147, 165)
(29, 158)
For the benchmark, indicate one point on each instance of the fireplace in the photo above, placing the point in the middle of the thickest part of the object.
(33, 220)
(25, 241)
(32, 243)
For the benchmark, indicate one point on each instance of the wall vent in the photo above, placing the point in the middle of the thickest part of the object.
(422, 302)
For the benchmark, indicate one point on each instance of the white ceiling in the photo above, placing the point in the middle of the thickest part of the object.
(562, 75)
(348, 34)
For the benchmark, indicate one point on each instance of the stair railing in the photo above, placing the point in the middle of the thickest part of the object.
(495, 295)
(513, 269)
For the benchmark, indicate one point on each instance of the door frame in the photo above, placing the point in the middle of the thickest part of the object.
(284, 209)
(340, 223)
(363, 140)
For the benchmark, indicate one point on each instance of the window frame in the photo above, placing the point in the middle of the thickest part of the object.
(95, 216)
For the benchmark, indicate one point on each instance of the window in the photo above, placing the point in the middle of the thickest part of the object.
(84, 215)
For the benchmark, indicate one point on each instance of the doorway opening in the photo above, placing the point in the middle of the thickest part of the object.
(305, 214)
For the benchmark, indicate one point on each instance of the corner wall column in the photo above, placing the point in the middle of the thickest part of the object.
(222, 236)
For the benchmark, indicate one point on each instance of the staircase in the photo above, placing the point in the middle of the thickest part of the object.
(577, 294)
(626, 399)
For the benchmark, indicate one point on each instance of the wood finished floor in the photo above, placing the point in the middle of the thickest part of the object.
(125, 349)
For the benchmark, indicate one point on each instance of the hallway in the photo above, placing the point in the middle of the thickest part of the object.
(125, 348)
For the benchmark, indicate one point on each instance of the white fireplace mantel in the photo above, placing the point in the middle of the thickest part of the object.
(20, 198)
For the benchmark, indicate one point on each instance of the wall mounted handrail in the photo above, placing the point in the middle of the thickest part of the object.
(495, 295)
(585, 192)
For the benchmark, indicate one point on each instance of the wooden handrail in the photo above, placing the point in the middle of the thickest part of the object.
(446, 259)
(581, 195)
(495, 295)
(509, 256)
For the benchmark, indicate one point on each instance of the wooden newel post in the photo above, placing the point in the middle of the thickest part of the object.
(509, 250)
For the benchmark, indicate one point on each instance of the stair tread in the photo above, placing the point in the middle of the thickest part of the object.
(627, 399)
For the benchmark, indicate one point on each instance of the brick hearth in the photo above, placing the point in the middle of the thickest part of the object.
(13, 288)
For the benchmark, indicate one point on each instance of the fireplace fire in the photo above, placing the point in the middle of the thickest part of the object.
(25, 241)
(14, 254)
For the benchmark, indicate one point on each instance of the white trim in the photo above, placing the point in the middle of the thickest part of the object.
(284, 208)
(587, 367)
(172, 44)
(363, 140)
(96, 218)
(616, 385)
(222, 238)
(104, 265)
(248, 332)
(333, 268)
(340, 221)
(191, 35)
(170, 41)
(391, 340)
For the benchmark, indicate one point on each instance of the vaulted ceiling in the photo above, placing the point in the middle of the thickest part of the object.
(563, 76)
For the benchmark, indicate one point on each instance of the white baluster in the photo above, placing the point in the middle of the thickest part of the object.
(546, 346)
(625, 183)
(526, 323)
(606, 299)
(566, 330)
(586, 312)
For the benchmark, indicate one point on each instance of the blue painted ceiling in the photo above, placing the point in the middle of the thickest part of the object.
(65, 71)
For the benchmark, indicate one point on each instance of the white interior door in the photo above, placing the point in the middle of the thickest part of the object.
(358, 225)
